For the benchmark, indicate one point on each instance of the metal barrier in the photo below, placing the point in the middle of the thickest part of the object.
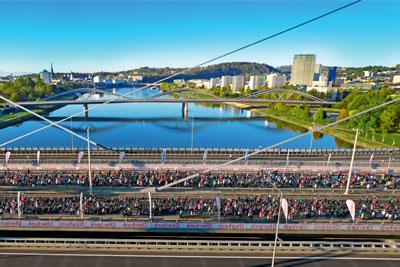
(68, 243)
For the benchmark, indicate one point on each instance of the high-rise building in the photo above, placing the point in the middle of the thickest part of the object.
(318, 68)
(226, 81)
(46, 76)
(237, 83)
(331, 74)
(303, 69)
(214, 82)
(256, 82)
(275, 80)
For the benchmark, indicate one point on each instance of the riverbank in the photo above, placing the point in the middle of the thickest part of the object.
(341, 133)
(22, 116)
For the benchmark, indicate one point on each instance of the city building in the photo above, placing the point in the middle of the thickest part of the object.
(135, 77)
(237, 83)
(179, 82)
(214, 82)
(396, 79)
(199, 83)
(331, 74)
(275, 80)
(226, 81)
(46, 76)
(303, 69)
(368, 74)
(321, 82)
(256, 81)
(340, 81)
(97, 79)
(325, 90)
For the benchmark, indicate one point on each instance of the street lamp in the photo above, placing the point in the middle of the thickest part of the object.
(351, 163)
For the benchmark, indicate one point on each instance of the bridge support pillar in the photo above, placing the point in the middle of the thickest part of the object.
(185, 110)
(85, 111)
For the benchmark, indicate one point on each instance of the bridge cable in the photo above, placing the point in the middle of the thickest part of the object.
(190, 68)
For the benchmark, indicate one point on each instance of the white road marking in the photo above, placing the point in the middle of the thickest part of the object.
(195, 256)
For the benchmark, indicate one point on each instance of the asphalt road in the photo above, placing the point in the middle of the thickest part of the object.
(18, 259)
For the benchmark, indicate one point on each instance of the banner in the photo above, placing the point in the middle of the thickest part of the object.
(287, 158)
(205, 156)
(19, 204)
(200, 226)
(121, 156)
(370, 160)
(352, 208)
(285, 207)
(150, 206)
(8, 155)
(38, 157)
(81, 205)
(246, 156)
(80, 156)
(329, 158)
(163, 156)
(218, 202)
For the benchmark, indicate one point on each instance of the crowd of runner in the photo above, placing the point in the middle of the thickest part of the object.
(264, 208)
(208, 180)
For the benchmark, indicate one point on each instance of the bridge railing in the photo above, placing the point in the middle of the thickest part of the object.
(271, 164)
(199, 245)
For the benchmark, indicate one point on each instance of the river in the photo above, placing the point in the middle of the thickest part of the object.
(162, 125)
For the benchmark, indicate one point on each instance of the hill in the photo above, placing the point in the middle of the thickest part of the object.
(207, 72)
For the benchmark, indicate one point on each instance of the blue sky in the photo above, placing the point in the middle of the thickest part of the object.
(110, 35)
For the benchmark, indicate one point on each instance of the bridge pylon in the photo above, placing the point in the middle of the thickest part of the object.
(85, 112)
(185, 110)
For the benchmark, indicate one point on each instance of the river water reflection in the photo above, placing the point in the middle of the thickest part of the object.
(162, 125)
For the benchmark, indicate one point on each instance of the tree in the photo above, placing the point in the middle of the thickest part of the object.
(319, 115)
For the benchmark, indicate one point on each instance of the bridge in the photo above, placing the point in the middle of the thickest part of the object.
(168, 100)
(184, 96)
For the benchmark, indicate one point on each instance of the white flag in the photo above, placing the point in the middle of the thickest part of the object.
(163, 156)
(352, 208)
(205, 156)
(19, 204)
(246, 156)
(287, 158)
(218, 202)
(121, 156)
(8, 155)
(285, 207)
(80, 156)
(81, 205)
(150, 206)
(370, 160)
(329, 158)
(38, 157)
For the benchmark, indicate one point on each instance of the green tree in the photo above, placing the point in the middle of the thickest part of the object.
(319, 115)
